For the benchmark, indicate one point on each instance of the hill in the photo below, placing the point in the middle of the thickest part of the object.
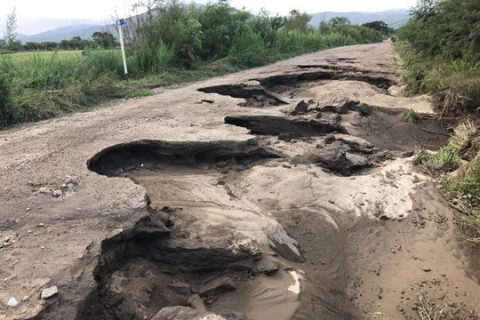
(64, 33)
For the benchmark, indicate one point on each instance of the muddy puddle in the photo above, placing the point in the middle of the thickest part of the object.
(286, 225)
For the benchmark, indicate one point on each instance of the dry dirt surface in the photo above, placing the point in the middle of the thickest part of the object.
(282, 192)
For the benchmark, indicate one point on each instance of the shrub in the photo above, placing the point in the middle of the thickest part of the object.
(7, 109)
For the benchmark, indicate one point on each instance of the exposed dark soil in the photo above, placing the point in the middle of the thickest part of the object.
(276, 126)
(379, 81)
(255, 96)
(148, 154)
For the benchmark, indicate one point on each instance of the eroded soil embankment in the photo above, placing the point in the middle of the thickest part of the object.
(321, 216)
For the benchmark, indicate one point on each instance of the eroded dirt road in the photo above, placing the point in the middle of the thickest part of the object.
(283, 192)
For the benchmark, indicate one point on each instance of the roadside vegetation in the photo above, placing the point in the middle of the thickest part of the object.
(440, 48)
(170, 43)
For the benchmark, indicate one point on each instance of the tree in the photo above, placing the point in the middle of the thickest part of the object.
(298, 21)
(424, 8)
(30, 46)
(104, 40)
(448, 28)
(379, 26)
(11, 28)
(15, 46)
(266, 26)
(337, 21)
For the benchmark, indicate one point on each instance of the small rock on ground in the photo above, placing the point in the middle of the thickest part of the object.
(13, 303)
(49, 292)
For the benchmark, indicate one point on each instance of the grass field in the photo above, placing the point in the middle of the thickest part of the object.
(34, 55)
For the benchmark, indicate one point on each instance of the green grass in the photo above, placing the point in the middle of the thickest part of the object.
(22, 57)
(447, 159)
(464, 190)
(45, 85)
(140, 93)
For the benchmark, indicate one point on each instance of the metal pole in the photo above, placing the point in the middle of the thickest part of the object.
(120, 34)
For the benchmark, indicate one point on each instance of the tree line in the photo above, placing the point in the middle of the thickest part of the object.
(104, 40)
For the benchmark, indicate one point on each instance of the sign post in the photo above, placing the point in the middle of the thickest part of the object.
(120, 24)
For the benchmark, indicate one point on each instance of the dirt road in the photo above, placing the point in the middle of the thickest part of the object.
(282, 192)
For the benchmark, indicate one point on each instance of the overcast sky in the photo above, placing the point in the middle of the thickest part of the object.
(29, 12)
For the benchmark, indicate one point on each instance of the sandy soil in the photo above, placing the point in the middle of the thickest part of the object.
(282, 192)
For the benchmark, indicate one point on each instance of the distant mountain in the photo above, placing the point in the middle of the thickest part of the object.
(394, 18)
(64, 33)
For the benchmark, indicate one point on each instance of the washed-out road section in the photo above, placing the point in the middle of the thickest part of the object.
(282, 192)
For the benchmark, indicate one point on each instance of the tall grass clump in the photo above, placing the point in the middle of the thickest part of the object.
(43, 87)
(7, 109)
(464, 190)
(447, 159)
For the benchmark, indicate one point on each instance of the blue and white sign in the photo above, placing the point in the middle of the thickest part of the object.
(121, 22)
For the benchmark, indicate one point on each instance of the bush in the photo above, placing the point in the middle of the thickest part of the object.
(7, 109)
(442, 53)
(248, 48)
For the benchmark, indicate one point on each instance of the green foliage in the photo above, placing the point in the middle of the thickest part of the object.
(7, 109)
(43, 86)
(464, 190)
(266, 27)
(104, 40)
(11, 29)
(358, 34)
(441, 53)
(448, 28)
(447, 158)
(298, 21)
(338, 21)
(380, 26)
(248, 48)
(444, 160)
